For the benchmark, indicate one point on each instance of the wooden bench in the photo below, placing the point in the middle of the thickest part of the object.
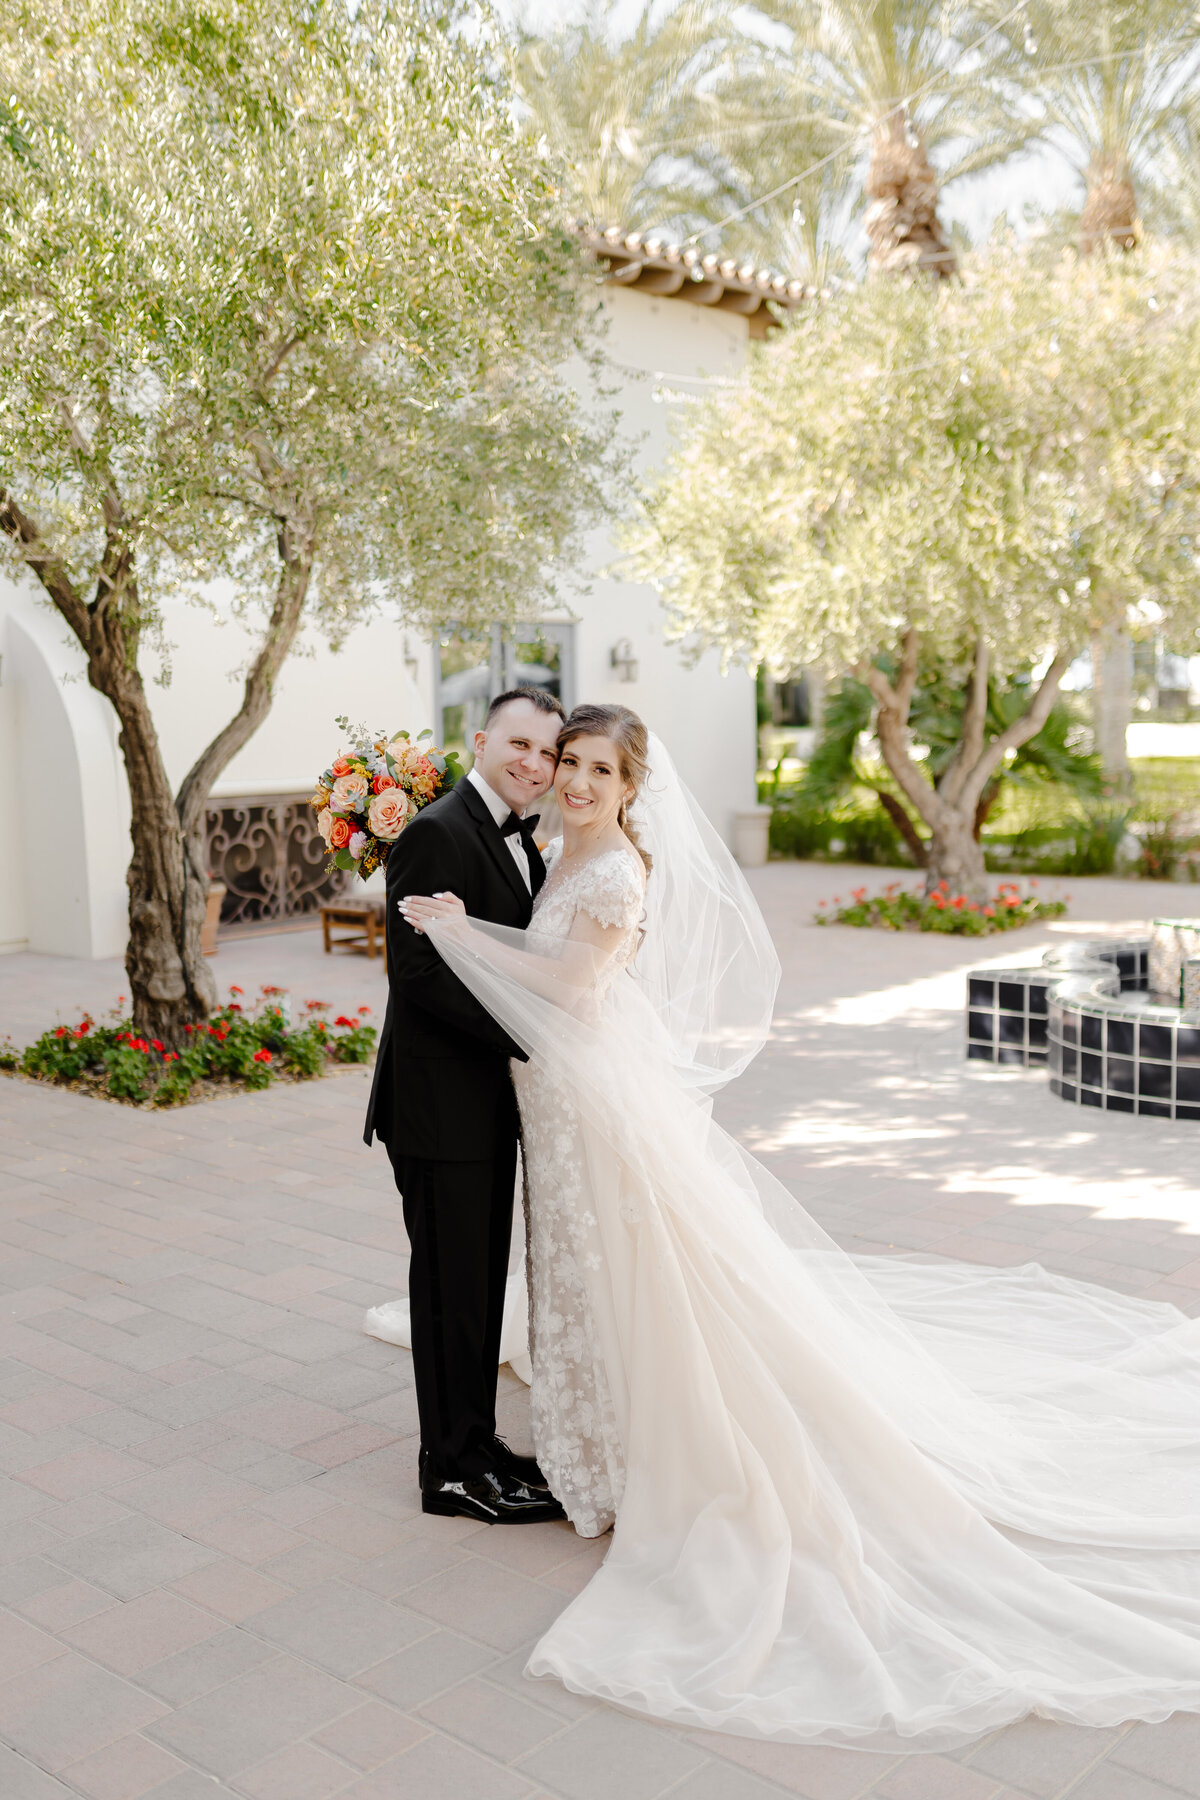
(360, 922)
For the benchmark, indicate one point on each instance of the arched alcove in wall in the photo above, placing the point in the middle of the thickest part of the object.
(64, 818)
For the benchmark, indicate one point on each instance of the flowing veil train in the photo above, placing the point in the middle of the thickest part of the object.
(875, 1501)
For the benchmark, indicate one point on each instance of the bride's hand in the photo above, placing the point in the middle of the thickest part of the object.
(418, 910)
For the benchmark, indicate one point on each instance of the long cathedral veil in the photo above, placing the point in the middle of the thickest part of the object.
(706, 964)
(870, 1501)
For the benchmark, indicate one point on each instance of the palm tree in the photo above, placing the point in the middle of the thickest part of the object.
(750, 163)
(671, 127)
(623, 115)
(1108, 83)
(1105, 83)
(892, 82)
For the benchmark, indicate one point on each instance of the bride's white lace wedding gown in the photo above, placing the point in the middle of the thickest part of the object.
(858, 1501)
(575, 1432)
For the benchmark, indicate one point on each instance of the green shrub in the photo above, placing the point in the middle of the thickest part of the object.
(856, 830)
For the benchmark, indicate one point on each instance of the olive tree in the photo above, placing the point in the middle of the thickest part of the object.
(955, 473)
(285, 299)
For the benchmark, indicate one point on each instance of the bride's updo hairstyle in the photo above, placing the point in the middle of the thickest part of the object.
(624, 729)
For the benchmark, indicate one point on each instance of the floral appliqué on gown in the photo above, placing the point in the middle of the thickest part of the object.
(574, 1428)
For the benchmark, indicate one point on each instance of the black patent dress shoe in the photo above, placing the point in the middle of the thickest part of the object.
(494, 1498)
(523, 1467)
(508, 1461)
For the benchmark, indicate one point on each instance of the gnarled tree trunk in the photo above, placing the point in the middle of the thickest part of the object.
(170, 983)
(953, 852)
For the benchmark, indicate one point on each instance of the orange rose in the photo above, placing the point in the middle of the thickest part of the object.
(384, 781)
(340, 767)
(339, 834)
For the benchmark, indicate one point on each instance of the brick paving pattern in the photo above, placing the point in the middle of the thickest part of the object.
(214, 1576)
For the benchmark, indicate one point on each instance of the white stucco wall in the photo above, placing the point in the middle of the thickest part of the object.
(63, 889)
(368, 680)
(706, 719)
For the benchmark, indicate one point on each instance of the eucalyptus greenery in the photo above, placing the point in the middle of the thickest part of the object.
(952, 473)
(285, 297)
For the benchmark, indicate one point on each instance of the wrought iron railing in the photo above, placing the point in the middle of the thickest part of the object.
(267, 851)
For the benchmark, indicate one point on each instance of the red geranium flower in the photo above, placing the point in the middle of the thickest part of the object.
(366, 1009)
(262, 1056)
(346, 1023)
(157, 1042)
(234, 989)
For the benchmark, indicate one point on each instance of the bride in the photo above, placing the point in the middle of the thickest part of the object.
(856, 1501)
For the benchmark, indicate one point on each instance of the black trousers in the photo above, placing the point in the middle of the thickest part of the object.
(459, 1221)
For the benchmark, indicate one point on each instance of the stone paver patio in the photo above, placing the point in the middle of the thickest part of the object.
(214, 1575)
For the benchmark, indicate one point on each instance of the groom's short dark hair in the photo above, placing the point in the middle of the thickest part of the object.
(540, 697)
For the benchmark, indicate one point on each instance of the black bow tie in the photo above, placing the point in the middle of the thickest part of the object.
(525, 827)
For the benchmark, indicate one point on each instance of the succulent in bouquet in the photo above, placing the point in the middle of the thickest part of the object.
(369, 793)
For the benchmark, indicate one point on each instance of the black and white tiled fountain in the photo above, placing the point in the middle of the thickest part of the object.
(1116, 1022)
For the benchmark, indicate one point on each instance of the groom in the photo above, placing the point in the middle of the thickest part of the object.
(442, 1101)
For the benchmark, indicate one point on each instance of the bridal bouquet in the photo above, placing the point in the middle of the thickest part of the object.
(368, 794)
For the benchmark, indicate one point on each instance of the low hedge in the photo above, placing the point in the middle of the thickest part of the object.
(906, 909)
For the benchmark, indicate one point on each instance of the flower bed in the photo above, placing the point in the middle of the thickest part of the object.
(240, 1046)
(907, 909)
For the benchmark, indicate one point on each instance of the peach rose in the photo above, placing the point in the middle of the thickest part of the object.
(382, 781)
(346, 790)
(339, 834)
(387, 814)
(325, 824)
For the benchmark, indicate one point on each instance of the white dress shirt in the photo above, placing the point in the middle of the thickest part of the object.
(500, 810)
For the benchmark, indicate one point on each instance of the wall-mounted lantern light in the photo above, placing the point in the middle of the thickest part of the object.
(622, 659)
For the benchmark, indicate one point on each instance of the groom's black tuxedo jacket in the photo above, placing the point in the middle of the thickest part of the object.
(442, 1088)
